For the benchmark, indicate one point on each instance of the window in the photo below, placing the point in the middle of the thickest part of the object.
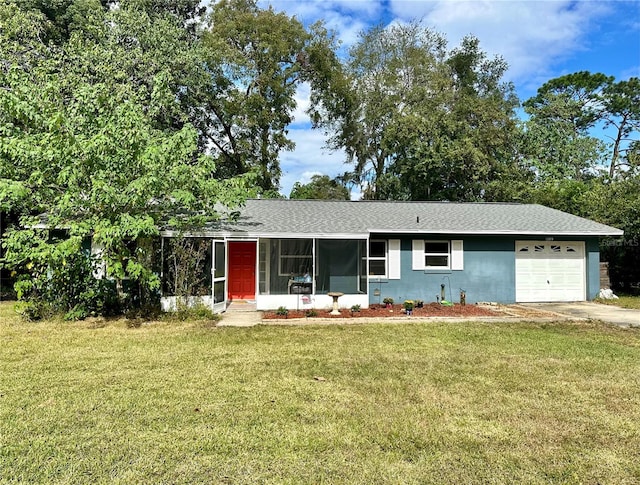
(436, 254)
(296, 257)
(378, 258)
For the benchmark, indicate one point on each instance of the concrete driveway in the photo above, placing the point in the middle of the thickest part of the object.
(589, 310)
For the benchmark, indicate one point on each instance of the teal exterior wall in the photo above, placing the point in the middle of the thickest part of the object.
(592, 248)
(489, 272)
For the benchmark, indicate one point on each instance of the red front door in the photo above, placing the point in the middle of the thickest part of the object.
(242, 270)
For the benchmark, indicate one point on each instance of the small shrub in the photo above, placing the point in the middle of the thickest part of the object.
(282, 311)
(355, 309)
(311, 313)
(388, 301)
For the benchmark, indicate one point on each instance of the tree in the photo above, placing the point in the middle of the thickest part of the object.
(62, 17)
(617, 202)
(568, 110)
(458, 148)
(424, 123)
(320, 187)
(255, 61)
(622, 113)
(93, 133)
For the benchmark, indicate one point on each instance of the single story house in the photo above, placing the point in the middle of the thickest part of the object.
(293, 253)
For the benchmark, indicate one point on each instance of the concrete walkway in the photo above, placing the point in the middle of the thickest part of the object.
(592, 311)
(241, 313)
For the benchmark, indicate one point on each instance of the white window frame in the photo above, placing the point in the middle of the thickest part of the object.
(384, 258)
(448, 254)
(455, 255)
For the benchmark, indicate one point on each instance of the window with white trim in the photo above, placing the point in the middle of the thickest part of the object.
(437, 254)
(378, 258)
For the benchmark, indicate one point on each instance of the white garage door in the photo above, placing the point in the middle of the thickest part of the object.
(550, 271)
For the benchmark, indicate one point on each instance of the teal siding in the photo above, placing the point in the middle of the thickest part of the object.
(488, 274)
(592, 249)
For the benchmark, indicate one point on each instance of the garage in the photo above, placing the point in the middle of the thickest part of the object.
(550, 271)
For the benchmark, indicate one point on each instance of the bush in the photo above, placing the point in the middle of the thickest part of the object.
(282, 311)
(355, 309)
(34, 310)
(311, 313)
(65, 285)
(197, 312)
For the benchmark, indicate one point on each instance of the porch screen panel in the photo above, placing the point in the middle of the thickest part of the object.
(218, 292)
(290, 260)
(364, 270)
(187, 264)
(338, 266)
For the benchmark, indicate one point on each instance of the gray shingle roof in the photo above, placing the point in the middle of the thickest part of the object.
(288, 218)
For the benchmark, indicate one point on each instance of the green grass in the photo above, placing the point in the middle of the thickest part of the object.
(624, 301)
(94, 402)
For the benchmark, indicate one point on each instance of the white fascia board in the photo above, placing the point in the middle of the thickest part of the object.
(297, 235)
(270, 235)
(616, 232)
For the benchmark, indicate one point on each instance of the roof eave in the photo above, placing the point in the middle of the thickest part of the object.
(613, 232)
(266, 235)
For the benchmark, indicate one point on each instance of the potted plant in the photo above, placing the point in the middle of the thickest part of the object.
(408, 306)
(388, 301)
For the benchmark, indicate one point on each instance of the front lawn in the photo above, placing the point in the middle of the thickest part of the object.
(94, 402)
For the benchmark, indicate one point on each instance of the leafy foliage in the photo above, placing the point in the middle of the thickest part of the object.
(426, 123)
(255, 61)
(93, 133)
(320, 187)
(59, 278)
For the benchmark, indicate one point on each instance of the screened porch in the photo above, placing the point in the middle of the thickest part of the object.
(298, 272)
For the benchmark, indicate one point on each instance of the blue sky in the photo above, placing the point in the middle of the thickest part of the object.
(539, 39)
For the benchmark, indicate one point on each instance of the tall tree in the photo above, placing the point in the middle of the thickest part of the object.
(569, 110)
(467, 140)
(256, 60)
(621, 102)
(425, 123)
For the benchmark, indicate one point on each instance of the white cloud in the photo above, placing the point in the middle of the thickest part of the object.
(346, 18)
(531, 36)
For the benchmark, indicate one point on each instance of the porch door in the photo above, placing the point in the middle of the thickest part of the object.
(242, 270)
(219, 279)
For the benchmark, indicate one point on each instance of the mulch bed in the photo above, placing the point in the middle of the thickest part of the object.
(381, 311)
